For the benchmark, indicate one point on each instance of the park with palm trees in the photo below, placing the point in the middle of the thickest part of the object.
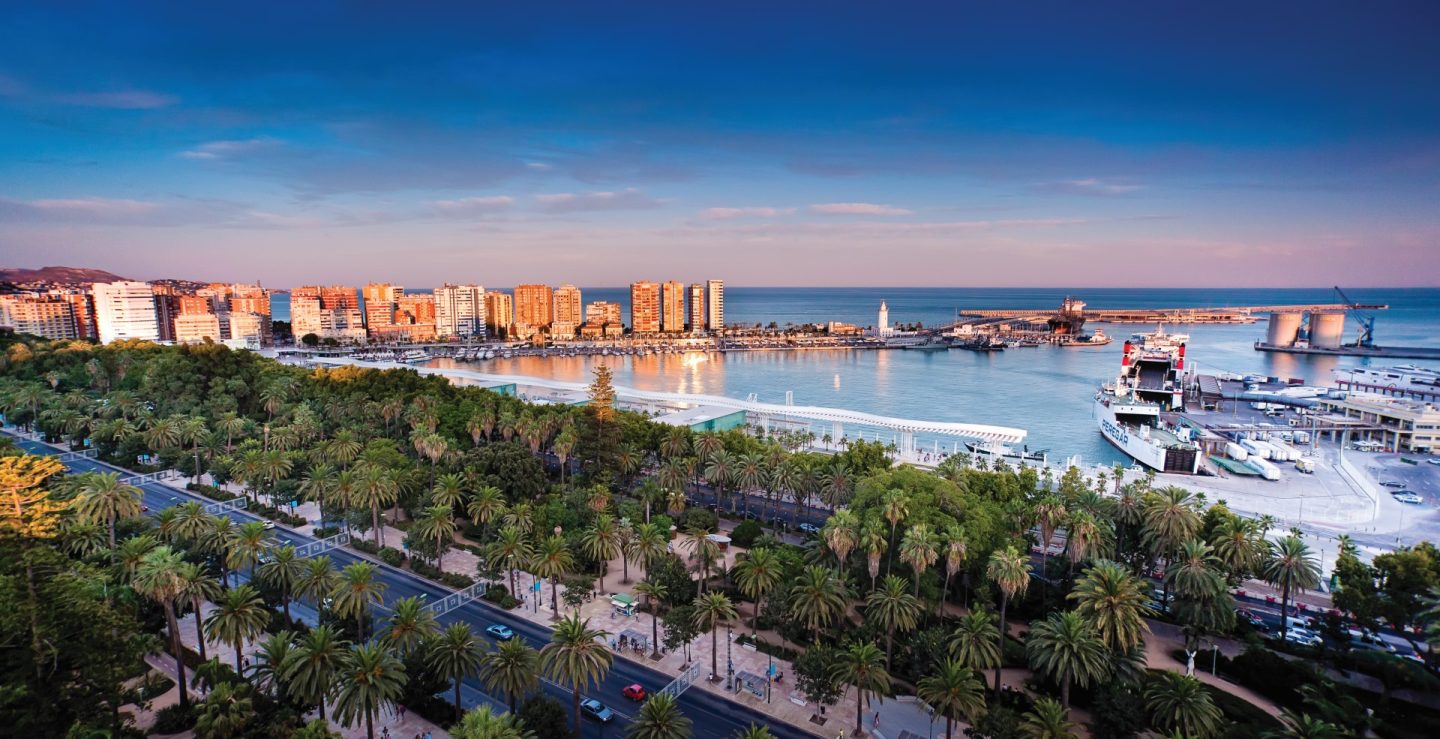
(1009, 601)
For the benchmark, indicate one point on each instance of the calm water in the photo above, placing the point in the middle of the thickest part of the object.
(1046, 390)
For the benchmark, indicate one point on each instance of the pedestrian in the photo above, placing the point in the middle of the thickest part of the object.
(402, 712)
(877, 719)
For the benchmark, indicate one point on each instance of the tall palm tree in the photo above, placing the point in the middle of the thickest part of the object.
(755, 731)
(317, 582)
(601, 542)
(483, 723)
(192, 431)
(356, 590)
(1113, 601)
(284, 571)
(660, 718)
(1066, 649)
(513, 668)
(918, 549)
(370, 679)
(103, 498)
(654, 593)
(218, 541)
(196, 587)
(436, 525)
(1049, 514)
(1177, 703)
(893, 609)
(1011, 573)
(953, 691)
(455, 655)
(749, 476)
(511, 548)
(1170, 518)
(757, 574)
(449, 490)
(576, 658)
(1048, 720)
(841, 534)
(158, 578)
(485, 506)
(895, 507)
(862, 665)
(1305, 726)
(719, 469)
(271, 656)
(711, 611)
(973, 644)
(1240, 547)
(1292, 568)
(192, 522)
(550, 561)
(317, 659)
(226, 712)
(247, 543)
(872, 540)
(239, 615)
(647, 545)
(375, 488)
(956, 548)
(410, 626)
(704, 551)
(818, 598)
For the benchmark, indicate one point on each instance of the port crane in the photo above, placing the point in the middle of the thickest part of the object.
(1366, 320)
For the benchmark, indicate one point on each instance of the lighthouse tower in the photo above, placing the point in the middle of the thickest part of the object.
(882, 324)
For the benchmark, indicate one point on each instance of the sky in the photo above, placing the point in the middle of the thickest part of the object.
(1105, 144)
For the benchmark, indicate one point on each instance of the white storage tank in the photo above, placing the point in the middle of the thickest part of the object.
(1284, 328)
(1327, 330)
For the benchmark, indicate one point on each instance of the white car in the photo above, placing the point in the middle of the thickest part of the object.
(1410, 498)
(1303, 637)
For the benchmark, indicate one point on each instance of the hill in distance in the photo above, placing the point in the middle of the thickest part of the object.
(57, 275)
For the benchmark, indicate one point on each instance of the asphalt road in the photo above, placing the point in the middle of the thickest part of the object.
(713, 716)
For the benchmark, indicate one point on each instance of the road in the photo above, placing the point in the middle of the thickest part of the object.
(713, 716)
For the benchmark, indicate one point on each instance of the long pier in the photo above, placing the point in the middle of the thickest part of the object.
(1230, 314)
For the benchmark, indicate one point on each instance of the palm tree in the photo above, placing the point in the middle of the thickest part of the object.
(485, 506)
(863, 666)
(1305, 726)
(455, 655)
(895, 507)
(647, 546)
(704, 551)
(484, 723)
(894, 609)
(754, 731)
(757, 575)
(953, 691)
(196, 587)
(284, 570)
(660, 718)
(218, 541)
(239, 615)
(1065, 648)
(719, 469)
(973, 644)
(410, 626)
(749, 476)
(375, 488)
(601, 542)
(1182, 704)
(956, 548)
(225, 712)
(317, 582)
(159, 578)
(511, 548)
(552, 560)
(1291, 568)
(872, 540)
(192, 522)
(102, 497)
(918, 549)
(711, 610)
(310, 675)
(841, 535)
(355, 591)
(513, 669)
(817, 598)
(1169, 519)
(247, 543)
(576, 658)
(654, 593)
(371, 678)
(1239, 546)
(1114, 602)
(1011, 573)
(270, 659)
(1048, 720)
(192, 431)
(449, 490)
(437, 525)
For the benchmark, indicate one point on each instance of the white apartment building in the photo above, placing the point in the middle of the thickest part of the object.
(697, 307)
(715, 304)
(460, 311)
(125, 310)
(50, 317)
(196, 328)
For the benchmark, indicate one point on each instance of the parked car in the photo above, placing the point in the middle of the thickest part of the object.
(1370, 641)
(1392, 484)
(634, 692)
(1409, 497)
(269, 525)
(1252, 618)
(809, 528)
(597, 710)
(1435, 462)
(500, 632)
(1304, 637)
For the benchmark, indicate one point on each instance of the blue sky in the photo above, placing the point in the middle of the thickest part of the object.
(801, 143)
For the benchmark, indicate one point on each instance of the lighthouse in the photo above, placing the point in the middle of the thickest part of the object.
(882, 324)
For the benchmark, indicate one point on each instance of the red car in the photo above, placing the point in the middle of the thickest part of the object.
(634, 692)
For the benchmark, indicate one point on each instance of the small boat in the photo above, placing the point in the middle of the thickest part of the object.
(414, 356)
(984, 344)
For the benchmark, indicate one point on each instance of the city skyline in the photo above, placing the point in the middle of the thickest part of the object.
(1034, 146)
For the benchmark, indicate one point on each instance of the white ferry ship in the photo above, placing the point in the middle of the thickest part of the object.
(1150, 383)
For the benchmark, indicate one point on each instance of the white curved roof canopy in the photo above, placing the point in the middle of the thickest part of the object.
(1000, 434)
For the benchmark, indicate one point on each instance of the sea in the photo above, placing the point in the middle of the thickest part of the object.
(1048, 391)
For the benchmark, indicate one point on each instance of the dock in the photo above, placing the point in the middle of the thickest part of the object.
(1381, 352)
(1223, 315)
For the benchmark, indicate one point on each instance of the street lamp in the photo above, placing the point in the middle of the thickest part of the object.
(729, 663)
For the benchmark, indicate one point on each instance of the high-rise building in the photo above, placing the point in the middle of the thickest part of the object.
(82, 306)
(195, 305)
(250, 299)
(249, 330)
(601, 313)
(380, 305)
(672, 308)
(534, 309)
(644, 307)
(305, 313)
(167, 306)
(125, 310)
(197, 328)
(499, 313)
(697, 307)
(460, 311)
(415, 309)
(569, 311)
(715, 304)
(50, 316)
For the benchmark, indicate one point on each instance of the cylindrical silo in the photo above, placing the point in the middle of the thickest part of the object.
(1327, 330)
(1283, 329)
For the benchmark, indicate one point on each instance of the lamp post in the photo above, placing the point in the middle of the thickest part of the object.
(729, 663)
(769, 677)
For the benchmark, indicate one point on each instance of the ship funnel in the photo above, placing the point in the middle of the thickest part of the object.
(1180, 360)
(1125, 358)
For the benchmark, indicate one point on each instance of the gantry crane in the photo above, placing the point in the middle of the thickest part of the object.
(1366, 320)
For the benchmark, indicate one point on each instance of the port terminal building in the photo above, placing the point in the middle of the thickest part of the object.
(1401, 424)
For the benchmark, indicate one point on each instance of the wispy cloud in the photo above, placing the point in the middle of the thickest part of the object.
(119, 100)
(571, 202)
(859, 209)
(230, 149)
(726, 214)
(1089, 186)
(98, 207)
(462, 207)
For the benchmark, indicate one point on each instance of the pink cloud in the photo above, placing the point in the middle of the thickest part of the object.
(859, 209)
